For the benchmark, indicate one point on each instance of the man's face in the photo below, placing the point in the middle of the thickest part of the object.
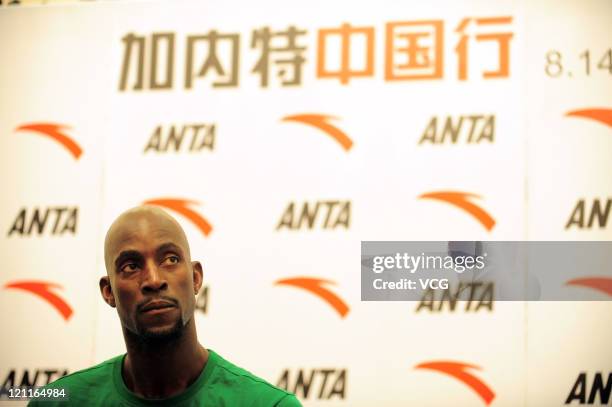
(152, 279)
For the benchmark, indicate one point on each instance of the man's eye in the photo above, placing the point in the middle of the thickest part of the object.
(172, 260)
(129, 267)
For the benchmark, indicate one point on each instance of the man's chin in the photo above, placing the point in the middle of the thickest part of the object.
(167, 333)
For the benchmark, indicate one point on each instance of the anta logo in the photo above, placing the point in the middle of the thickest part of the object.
(476, 296)
(42, 289)
(585, 215)
(191, 138)
(316, 215)
(599, 115)
(322, 123)
(601, 284)
(31, 377)
(468, 129)
(55, 221)
(317, 287)
(202, 300)
(462, 201)
(315, 384)
(56, 132)
(181, 206)
(591, 392)
(459, 371)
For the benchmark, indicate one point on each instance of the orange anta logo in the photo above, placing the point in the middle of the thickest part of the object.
(321, 122)
(315, 286)
(181, 207)
(42, 289)
(461, 200)
(603, 284)
(601, 115)
(55, 132)
(458, 371)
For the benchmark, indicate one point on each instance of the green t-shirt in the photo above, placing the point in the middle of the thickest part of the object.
(221, 383)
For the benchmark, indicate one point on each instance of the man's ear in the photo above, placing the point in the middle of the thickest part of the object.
(197, 276)
(107, 291)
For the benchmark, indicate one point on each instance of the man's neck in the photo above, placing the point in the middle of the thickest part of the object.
(163, 369)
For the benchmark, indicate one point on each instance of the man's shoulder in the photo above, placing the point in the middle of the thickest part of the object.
(83, 386)
(255, 386)
(91, 374)
(242, 375)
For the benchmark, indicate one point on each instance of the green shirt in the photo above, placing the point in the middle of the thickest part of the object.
(221, 383)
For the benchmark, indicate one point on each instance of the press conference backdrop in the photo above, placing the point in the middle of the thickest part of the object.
(281, 135)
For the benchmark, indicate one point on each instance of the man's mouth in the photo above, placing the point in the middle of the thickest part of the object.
(157, 306)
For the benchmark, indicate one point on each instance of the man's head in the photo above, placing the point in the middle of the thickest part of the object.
(151, 279)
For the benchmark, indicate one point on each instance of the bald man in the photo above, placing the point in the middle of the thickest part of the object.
(152, 282)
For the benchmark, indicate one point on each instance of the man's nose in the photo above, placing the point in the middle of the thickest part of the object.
(153, 278)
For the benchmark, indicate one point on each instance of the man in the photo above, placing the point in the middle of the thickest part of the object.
(152, 282)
